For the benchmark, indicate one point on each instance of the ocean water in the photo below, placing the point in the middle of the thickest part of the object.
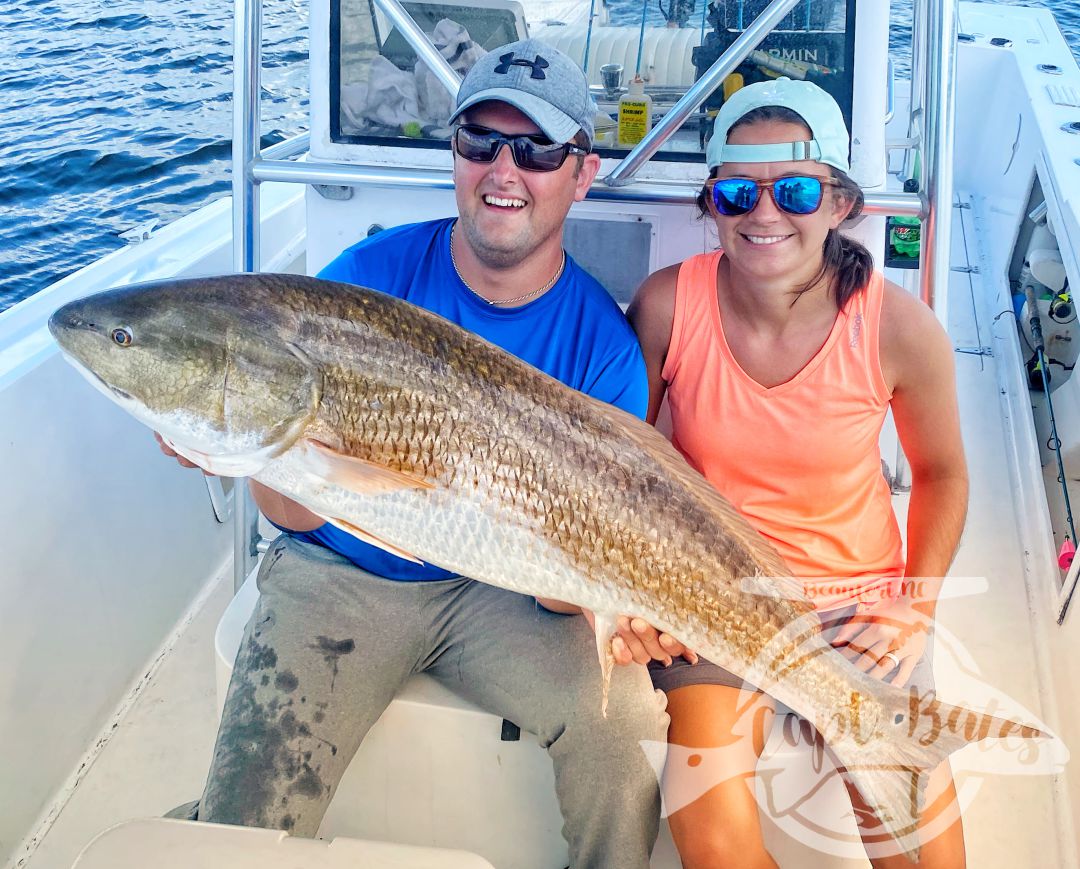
(116, 112)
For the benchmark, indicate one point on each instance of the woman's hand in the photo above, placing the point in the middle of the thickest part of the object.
(636, 641)
(886, 643)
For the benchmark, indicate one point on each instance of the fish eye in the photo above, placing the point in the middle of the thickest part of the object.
(122, 336)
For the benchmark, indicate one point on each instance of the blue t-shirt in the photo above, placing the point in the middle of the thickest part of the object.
(575, 332)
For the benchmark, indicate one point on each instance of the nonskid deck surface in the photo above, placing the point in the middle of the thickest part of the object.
(158, 756)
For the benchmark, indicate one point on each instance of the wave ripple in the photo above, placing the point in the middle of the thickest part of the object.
(118, 111)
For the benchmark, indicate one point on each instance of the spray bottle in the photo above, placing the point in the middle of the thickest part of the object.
(635, 114)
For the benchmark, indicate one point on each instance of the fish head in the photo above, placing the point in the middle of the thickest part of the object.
(209, 363)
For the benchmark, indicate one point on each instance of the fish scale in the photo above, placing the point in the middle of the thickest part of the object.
(400, 426)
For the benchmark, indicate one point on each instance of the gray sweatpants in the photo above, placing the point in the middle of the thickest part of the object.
(329, 646)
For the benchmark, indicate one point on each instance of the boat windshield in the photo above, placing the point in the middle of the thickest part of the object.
(380, 93)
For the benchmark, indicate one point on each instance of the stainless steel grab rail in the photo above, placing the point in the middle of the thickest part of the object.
(937, 150)
(285, 150)
(662, 192)
(247, 72)
(736, 53)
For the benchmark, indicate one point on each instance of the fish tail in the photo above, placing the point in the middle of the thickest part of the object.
(892, 774)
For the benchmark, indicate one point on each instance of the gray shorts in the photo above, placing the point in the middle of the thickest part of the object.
(329, 645)
(682, 673)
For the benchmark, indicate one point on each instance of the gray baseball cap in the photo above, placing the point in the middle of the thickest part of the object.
(538, 80)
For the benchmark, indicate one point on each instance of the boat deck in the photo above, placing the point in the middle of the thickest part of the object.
(158, 752)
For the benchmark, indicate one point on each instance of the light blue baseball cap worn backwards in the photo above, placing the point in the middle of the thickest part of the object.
(538, 80)
(829, 142)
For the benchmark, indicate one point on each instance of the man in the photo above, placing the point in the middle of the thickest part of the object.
(341, 625)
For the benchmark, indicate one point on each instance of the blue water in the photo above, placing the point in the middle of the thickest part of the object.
(119, 111)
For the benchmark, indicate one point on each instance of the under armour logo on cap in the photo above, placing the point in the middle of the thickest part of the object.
(553, 93)
(507, 60)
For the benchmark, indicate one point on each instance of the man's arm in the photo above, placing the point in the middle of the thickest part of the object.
(282, 511)
(558, 606)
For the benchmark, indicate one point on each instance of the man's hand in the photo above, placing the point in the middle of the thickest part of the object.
(173, 454)
(638, 642)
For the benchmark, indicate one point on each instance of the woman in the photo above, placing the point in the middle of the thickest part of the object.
(779, 356)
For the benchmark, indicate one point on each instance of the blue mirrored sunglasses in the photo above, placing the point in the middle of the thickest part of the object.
(795, 194)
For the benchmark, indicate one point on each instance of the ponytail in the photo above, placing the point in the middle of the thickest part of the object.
(850, 265)
(847, 263)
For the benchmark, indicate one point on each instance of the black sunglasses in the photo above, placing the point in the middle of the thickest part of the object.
(795, 194)
(531, 151)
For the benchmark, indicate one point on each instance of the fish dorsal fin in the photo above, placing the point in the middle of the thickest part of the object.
(357, 475)
(361, 534)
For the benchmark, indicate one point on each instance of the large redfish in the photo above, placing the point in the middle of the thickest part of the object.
(426, 440)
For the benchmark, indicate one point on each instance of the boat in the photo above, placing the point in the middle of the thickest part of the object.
(126, 581)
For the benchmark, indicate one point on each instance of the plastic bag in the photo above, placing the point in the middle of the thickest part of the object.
(455, 44)
(391, 96)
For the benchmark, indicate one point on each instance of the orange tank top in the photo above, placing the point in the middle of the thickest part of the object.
(800, 460)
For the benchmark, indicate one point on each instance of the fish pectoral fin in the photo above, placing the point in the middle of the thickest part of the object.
(234, 465)
(604, 627)
(202, 460)
(361, 534)
(357, 475)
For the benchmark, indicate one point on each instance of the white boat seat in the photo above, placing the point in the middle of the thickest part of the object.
(169, 844)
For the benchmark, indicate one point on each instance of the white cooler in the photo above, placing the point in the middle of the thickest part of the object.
(168, 844)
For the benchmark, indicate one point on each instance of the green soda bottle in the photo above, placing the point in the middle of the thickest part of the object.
(903, 235)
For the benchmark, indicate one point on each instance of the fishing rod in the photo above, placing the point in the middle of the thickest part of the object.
(1042, 364)
(641, 38)
(588, 37)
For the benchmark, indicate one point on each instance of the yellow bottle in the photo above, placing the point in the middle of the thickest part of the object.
(635, 114)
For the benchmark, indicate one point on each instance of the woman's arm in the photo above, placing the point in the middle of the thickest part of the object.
(917, 362)
(652, 313)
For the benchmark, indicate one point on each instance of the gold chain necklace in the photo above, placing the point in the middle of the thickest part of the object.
(554, 279)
